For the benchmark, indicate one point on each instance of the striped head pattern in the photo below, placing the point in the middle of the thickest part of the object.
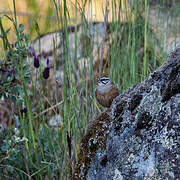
(104, 81)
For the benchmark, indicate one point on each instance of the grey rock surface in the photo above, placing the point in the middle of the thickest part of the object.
(139, 136)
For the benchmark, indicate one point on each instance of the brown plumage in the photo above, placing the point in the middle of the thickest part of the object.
(105, 92)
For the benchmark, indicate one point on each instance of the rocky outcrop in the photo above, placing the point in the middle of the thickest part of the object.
(138, 137)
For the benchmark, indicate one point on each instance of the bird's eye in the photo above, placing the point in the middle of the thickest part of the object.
(103, 80)
(99, 80)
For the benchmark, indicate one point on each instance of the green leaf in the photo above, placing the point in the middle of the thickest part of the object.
(8, 30)
(26, 37)
(19, 90)
(20, 102)
(27, 79)
(21, 28)
(10, 18)
(13, 99)
(16, 118)
(37, 28)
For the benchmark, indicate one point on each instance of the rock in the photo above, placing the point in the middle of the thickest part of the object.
(56, 121)
(138, 137)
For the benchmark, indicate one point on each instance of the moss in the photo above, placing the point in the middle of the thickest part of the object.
(94, 139)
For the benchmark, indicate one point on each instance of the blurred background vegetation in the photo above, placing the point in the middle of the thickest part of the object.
(142, 33)
(44, 13)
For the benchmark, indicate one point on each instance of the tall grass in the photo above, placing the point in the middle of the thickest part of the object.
(47, 152)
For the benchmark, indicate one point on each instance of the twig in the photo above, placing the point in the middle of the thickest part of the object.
(52, 107)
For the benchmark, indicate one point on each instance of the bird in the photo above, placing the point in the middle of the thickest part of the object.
(106, 91)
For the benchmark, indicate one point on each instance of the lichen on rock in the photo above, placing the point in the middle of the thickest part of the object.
(140, 138)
